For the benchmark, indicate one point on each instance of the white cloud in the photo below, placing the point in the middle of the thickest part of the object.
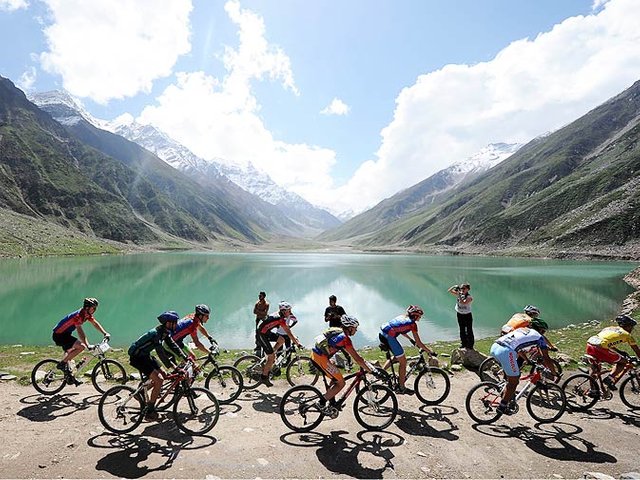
(530, 87)
(336, 107)
(11, 5)
(27, 79)
(111, 49)
(597, 4)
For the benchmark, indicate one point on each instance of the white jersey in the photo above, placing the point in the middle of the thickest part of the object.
(522, 339)
(291, 321)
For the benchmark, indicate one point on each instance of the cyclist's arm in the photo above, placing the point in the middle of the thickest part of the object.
(98, 327)
(418, 342)
(198, 343)
(83, 336)
(290, 334)
(357, 358)
(546, 360)
(552, 347)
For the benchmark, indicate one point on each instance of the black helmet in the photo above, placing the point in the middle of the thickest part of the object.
(90, 302)
(625, 321)
(203, 309)
(168, 317)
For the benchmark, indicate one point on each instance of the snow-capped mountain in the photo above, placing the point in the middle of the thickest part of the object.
(487, 158)
(64, 108)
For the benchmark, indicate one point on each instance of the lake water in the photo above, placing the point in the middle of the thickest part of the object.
(134, 289)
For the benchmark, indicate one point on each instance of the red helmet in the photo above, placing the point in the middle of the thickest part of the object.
(414, 310)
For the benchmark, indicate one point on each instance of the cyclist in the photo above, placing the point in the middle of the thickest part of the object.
(279, 333)
(190, 325)
(140, 356)
(63, 335)
(332, 340)
(506, 348)
(523, 319)
(602, 347)
(402, 324)
(269, 323)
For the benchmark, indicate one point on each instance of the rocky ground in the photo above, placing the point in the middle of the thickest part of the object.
(61, 437)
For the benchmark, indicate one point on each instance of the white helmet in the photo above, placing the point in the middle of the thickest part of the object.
(349, 321)
(531, 310)
(284, 305)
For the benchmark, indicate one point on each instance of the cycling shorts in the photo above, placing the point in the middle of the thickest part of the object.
(508, 359)
(327, 366)
(64, 340)
(146, 364)
(262, 340)
(603, 354)
(393, 343)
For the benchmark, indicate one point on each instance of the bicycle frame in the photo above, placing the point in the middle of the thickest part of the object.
(170, 384)
(357, 376)
(595, 372)
(98, 352)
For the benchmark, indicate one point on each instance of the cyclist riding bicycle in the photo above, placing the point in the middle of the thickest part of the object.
(402, 325)
(523, 320)
(279, 333)
(62, 335)
(190, 325)
(140, 356)
(269, 323)
(602, 347)
(506, 348)
(327, 344)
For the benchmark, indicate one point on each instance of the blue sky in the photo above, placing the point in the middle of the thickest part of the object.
(344, 102)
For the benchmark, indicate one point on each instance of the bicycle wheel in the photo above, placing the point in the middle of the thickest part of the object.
(578, 390)
(490, 370)
(546, 402)
(46, 378)
(630, 392)
(375, 407)
(120, 410)
(302, 371)
(432, 386)
(482, 402)
(196, 411)
(548, 375)
(225, 383)
(250, 367)
(299, 408)
(108, 373)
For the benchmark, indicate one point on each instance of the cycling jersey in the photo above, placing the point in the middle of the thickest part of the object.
(186, 326)
(400, 324)
(522, 339)
(611, 337)
(291, 320)
(271, 322)
(69, 323)
(331, 340)
(152, 340)
(519, 320)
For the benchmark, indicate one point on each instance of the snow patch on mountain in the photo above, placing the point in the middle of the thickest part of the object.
(485, 159)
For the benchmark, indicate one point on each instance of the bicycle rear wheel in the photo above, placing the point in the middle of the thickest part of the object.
(581, 392)
(482, 402)
(630, 392)
(108, 373)
(302, 371)
(120, 410)
(299, 408)
(490, 370)
(225, 383)
(196, 411)
(250, 367)
(46, 378)
(375, 407)
(432, 385)
(546, 402)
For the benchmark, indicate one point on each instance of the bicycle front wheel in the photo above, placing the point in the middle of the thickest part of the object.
(432, 386)
(108, 373)
(46, 378)
(251, 369)
(302, 371)
(299, 408)
(120, 409)
(225, 383)
(630, 392)
(546, 403)
(482, 402)
(491, 371)
(375, 407)
(196, 411)
(581, 392)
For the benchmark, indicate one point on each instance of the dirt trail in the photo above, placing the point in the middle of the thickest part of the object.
(62, 437)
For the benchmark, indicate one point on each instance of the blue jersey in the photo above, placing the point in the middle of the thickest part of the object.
(522, 339)
(400, 324)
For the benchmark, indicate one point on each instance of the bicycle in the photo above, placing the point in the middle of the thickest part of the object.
(224, 381)
(195, 410)
(48, 379)
(299, 369)
(583, 390)
(375, 406)
(490, 369)
(545, 401)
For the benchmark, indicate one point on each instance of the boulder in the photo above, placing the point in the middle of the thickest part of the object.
(468, 357)
(598, 476)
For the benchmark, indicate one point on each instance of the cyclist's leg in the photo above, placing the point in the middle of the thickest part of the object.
(148, 366)
(71, 345)
(608, 356)
(507, 358)
(400, 357)
(330, 370)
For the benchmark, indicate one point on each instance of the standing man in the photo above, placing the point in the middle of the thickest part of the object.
(261, 311)
(333, 313)
(463, 312)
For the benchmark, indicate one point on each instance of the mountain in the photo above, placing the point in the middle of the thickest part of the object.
(309, 220)
(575, 189)
(428, 193)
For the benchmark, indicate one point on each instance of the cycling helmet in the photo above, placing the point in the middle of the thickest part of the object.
(203, 309)
(414, 310)
(90, 302)
(539, 324)
(626, 320)
(168, 317)
(349, 321)
(284, 305)
(531, 310)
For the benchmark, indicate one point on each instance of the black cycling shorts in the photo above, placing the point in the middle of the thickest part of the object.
(146, 364)
(64, 340)
(264, 343)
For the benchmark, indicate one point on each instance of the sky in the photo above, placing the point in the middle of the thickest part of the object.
(343, 102)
